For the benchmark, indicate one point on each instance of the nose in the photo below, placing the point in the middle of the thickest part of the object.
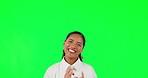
(73, 46)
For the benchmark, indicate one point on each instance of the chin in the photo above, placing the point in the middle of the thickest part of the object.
(71, 56)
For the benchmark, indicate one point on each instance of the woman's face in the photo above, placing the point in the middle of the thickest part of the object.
(73, 46)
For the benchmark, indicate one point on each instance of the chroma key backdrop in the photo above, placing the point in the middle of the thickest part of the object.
(32, 33)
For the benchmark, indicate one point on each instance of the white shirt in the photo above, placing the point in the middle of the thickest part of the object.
(58, 70)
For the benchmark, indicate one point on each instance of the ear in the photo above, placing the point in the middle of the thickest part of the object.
(64, 43)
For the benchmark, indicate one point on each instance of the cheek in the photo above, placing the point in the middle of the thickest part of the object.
(66, 46)
(80, 49)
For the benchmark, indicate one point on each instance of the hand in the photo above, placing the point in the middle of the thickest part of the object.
(68, 73)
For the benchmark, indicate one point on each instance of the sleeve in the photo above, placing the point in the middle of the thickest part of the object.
(51, 72)
(94, 73)
(89, 71)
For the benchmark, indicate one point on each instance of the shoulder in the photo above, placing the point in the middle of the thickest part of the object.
(89, 71)
(53, 67)
(51, 71)
(87, 66)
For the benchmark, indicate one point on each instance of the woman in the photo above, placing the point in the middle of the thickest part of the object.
(71, 65)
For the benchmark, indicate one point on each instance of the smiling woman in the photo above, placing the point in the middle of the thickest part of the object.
(71, 65)
(80, 41)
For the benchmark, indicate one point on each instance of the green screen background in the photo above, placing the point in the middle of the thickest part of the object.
(32, 33)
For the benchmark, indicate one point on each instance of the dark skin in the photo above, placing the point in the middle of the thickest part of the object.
(73, 46)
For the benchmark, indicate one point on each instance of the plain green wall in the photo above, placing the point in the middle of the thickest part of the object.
(32, 33)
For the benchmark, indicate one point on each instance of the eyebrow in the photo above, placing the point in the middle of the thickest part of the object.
(77, 42)
(71, 39)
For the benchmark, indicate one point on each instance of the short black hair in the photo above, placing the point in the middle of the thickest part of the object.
(83, 38)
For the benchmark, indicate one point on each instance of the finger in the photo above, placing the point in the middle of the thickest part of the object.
(68, 74)
(71, 72)
(68, 69)
(82, 75)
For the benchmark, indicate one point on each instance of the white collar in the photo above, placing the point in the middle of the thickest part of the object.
(77, 65)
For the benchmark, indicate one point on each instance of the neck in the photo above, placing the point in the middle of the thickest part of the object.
(70, 60)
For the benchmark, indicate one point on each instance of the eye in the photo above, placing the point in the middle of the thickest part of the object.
(70, 41)
(79, 45)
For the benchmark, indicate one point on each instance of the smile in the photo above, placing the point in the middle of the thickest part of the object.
(72, 51)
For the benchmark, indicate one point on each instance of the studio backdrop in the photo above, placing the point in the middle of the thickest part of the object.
(32, 33)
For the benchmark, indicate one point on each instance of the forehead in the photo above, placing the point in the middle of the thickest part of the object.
(76, 37)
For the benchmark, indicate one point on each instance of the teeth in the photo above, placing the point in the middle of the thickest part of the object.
(71, 50)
